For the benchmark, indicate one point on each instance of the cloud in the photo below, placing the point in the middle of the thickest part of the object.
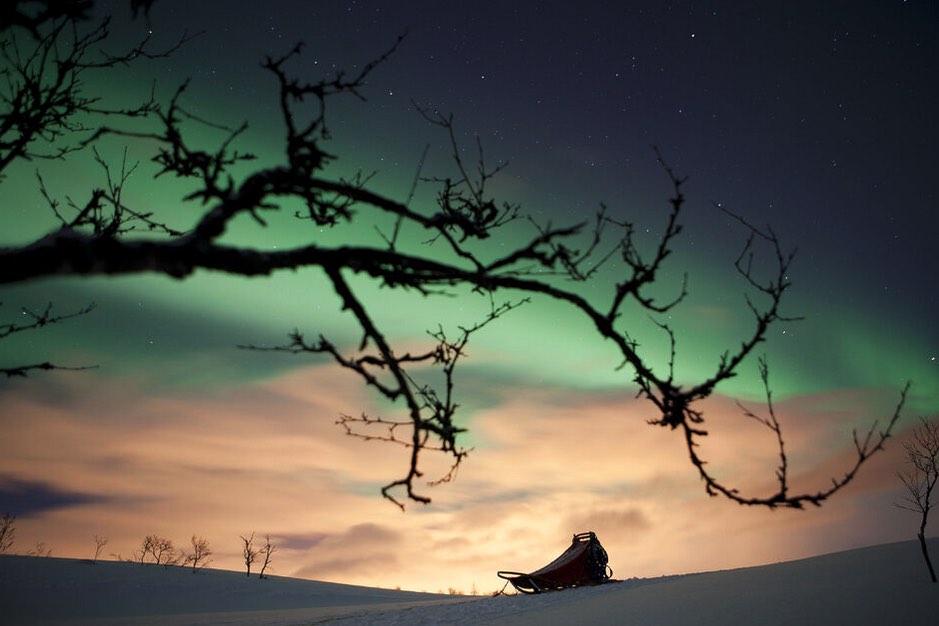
(27, 498)
(299, 541)
(611, 520)
(268, 457)
(362, 549)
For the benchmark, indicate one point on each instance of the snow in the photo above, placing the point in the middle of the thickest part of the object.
(874, 585)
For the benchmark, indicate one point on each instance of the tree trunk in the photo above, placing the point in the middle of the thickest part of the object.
(922, 543)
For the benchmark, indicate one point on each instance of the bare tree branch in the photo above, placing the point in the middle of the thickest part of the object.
(37, 321)
(7, 531)
(267, 551)
(920, 479)
(45, 112)
(249, 552)
(200, 555)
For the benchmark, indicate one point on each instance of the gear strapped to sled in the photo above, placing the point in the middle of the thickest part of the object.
(583, 563)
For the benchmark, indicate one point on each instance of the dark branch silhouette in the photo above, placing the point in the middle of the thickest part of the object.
(100, 542)
(872, 442)
(7, 531)
(102, 234)
(201, 554)
(267, 551)
(160, 549)
(431, 413)
(249, 552)
(36, 321)
(920, 479)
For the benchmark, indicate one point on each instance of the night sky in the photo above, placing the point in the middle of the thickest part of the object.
(815, 118)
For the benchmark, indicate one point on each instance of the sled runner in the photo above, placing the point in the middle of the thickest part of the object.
(583, 563)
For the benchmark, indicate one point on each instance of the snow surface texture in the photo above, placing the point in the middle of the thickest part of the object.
(885, 584)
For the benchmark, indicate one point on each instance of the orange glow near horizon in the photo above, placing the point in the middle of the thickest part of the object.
(269, 459)
(829, 141)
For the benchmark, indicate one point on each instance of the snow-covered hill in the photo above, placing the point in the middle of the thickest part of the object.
(886, 584)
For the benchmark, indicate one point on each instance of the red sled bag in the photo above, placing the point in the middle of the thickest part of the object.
(583, 563)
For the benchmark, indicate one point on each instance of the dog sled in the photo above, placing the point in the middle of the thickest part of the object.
(583, 563)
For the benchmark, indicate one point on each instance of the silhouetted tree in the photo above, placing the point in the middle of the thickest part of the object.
(40, 549)
(267, 551)
(920, 477)
(160, 549)
(100, 542)
(199, 556)
(7, 531)
(249, 553)
(100, 234)
(145, 546)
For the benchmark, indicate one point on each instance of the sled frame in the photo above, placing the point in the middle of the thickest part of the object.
(555, 575)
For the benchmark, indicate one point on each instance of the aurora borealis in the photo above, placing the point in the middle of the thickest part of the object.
(817, 120)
